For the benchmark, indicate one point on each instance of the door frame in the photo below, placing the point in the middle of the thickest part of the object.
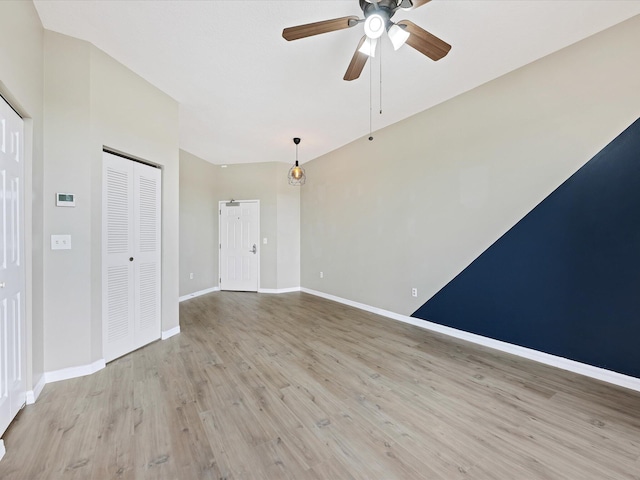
(258, 253)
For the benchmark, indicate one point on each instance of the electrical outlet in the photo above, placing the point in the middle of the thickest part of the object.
(191, 276)
(321, 274)
(414, 292)
(60, 242)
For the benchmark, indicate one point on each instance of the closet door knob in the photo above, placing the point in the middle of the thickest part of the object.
(131, 259)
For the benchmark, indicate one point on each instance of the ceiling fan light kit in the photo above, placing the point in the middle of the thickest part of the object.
(374, 25)
(369, 47)
(377, 20)
(297, 176)
(397, 35)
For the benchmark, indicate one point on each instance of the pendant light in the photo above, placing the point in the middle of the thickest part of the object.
(296, 173)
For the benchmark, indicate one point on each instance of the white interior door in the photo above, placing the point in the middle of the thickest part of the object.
(12, 272)
(131, 255)
(239, 245)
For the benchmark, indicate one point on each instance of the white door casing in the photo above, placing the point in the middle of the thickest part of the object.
(239, 245)
(131, 252)
(12, 271)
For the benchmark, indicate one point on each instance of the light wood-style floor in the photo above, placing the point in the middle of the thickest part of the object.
(296, 387)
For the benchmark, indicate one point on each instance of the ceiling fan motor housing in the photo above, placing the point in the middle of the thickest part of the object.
(384, 7)
(377, 15)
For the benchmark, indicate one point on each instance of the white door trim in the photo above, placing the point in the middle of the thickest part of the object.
(258, 253)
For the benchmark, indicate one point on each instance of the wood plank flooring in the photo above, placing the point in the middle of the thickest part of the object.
(297, 387)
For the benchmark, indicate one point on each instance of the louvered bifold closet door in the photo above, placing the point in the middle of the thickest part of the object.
(131, 255)
(117, 249)
(146, 213)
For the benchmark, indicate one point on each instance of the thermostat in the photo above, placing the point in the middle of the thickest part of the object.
(65, 199)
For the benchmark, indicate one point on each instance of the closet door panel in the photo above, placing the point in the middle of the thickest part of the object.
(117, 249)
(146, 213)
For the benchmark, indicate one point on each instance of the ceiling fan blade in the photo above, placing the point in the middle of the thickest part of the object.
(316, 28)
(358, 61)
(426, 43)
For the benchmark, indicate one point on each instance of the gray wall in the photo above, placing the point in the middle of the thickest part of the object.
(21, 83)
(429, 194)
(92, 101)
(203, 185)
(198, 224)
(67, 168)
(288, 229)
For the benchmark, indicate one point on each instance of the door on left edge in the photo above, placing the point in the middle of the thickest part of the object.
(12, 271)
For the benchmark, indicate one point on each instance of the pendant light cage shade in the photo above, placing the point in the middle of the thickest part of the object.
(297, 175)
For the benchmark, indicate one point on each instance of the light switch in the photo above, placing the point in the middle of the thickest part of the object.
(60, 242)
(264, 241)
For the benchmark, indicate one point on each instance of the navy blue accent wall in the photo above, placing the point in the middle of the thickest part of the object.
(565, 280)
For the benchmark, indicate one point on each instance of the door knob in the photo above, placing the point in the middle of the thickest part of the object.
(131, 259)
(254, 249)
(2, 284)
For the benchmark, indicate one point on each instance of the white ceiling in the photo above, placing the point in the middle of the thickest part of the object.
(245, 92)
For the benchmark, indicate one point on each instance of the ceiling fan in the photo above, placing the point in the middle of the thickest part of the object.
(377, 20)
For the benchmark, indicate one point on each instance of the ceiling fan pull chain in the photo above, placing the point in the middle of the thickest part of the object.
(380, 80)
(370, 100)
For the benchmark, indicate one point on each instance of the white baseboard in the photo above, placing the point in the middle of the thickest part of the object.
(587, 370)
(74, 372)
(279, 290)
(197, 294)
(32, 395)
(2, 449)
(81, 371)
(170, 333)
(260, 290)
